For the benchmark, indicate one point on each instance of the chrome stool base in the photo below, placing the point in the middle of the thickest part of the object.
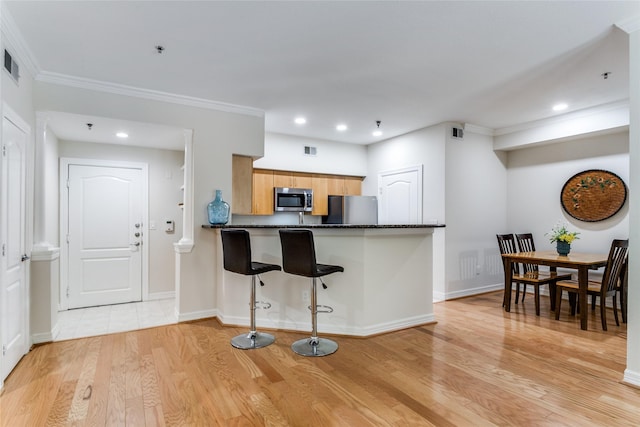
(250, 341)
(317, 347)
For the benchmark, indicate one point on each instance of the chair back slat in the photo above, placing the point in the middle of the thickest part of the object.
(615, 265)
(507, 245)
(526, 244)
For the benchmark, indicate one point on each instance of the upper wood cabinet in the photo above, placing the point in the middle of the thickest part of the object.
(352, 185)
(253, 188)
(263, 192)
(241, 185)
(291, 179)
(326, 185)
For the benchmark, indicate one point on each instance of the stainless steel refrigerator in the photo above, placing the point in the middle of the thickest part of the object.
(357, 210)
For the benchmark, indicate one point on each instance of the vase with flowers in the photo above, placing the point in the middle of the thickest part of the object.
(563, 239)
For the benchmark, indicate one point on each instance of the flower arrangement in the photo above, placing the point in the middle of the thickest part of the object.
(559, 233)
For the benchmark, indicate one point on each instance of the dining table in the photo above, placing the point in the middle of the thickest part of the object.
(582, 262)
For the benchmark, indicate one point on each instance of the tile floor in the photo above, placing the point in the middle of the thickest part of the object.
(87, 322)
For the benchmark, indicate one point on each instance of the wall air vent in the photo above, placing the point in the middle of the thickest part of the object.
(457, 133)
(309, 151)
(11, 66)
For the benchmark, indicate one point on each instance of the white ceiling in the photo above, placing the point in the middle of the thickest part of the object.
(409, 64)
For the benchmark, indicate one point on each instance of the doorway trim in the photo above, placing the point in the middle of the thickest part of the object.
(65, 162)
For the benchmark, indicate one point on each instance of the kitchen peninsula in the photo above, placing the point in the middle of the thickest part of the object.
(387, 283)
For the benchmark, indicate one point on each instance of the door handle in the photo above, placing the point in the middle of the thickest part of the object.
(24, 257)
(136, 244)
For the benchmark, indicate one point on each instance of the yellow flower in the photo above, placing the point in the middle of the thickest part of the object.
(561, 234)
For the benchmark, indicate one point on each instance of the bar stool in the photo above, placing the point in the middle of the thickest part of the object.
(237, 259)
(299, 258)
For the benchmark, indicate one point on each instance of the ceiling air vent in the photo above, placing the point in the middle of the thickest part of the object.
(11, 66)
(457, 133)
(309, 151)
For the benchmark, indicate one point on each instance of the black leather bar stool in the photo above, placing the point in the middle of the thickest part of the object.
(299, 258)
(236, 246)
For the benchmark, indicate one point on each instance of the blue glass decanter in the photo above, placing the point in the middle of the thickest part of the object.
(218, 210)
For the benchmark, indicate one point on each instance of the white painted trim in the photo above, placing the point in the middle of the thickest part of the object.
(42, 254)
(154, 95)
(155, 296)
(328, 328)
(629, 25)
(196, 315)
(183, 246)
(18, 46)
(480, 130)
(64, 214)
(631, 377)
(187, 194)
(472, 291)
(587, 112)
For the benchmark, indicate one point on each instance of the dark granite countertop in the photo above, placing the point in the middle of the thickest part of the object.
(329, 226)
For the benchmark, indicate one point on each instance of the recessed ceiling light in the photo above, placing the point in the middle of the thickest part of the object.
(560, 107)
(300, 120)
(341, 127)
(377, 133)
(122, 135)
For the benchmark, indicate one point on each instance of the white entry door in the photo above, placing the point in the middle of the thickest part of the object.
(105, 237)
(400, 196)
(13, 271)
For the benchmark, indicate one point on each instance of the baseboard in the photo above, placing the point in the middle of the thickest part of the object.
(328, 328)
(472, 291)
(161, 295)
(42, 338)
(196, 315)
(631, 377)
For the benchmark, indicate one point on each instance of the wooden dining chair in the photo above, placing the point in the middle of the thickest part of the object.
(623, 288)
(534, 277)
(608, 287)
(526, 244)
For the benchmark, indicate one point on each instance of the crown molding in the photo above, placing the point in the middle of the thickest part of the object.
(154, 95)
(600, 109)
(480, 130)
(17, 44)
(629, 25)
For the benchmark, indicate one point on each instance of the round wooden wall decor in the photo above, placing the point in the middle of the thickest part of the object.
(593, 195)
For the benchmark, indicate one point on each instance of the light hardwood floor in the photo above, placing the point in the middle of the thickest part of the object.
(478, 366)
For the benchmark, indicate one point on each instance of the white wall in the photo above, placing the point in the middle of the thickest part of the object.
(216, 136)
(165, 179)
(424, 147)
(286, 152)
(535, 179)
(476, 206)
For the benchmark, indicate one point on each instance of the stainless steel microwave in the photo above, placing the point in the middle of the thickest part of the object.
(293, 199)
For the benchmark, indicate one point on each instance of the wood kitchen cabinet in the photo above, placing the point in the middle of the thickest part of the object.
(325, 185)
(291, 179)
(352, 185)
(242, 185)
(263, 192)
(253, 188)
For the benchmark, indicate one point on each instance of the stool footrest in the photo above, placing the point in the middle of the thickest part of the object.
(326, 308)
(263, 305)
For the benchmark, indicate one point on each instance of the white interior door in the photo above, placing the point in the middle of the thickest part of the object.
(400, 196)
(104, 235)
(13, 271)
